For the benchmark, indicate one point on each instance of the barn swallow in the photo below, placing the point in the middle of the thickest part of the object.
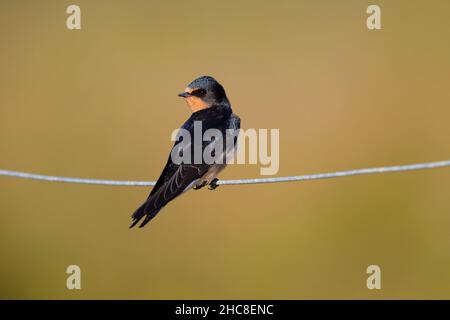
(209, 104)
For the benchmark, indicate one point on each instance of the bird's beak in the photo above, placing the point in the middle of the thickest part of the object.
(184, 94)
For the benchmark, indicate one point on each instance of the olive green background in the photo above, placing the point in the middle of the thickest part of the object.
(101, 103)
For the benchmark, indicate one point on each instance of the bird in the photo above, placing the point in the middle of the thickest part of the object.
(210, 107)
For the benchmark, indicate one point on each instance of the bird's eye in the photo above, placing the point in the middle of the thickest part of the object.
(198, 92)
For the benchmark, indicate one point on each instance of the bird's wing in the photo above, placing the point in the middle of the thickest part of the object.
(174, 180)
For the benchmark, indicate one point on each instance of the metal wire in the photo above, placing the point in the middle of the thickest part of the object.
(317, 176)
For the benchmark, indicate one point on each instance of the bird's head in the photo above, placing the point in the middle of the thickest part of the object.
(204, 92)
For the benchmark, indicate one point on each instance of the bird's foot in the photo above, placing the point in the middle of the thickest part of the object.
(199, 186)
(213, 184)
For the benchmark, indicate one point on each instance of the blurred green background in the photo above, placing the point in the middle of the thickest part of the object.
(101, 103)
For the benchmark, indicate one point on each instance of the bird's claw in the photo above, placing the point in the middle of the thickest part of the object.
(199, 186)
(213, 184)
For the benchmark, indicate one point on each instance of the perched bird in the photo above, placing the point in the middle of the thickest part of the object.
(210, 106)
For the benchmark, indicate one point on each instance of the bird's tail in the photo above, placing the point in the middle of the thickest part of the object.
(140, 213)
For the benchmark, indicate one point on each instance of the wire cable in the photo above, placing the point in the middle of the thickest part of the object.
(316, 176)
